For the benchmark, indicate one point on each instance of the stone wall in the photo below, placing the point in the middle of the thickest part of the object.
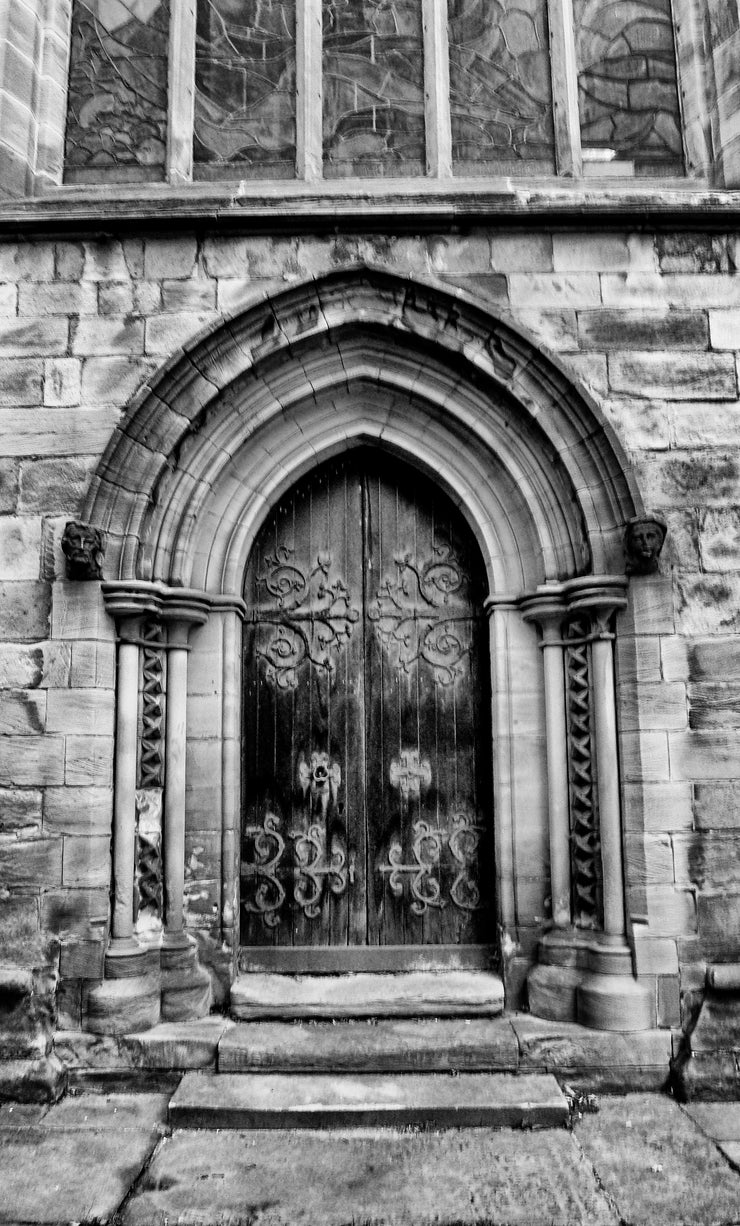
(649, 322)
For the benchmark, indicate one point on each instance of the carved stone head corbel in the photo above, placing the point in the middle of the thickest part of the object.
(643, 540)
(84, 549)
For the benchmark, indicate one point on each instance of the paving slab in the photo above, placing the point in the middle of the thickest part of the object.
(22, 1115)
(142, 1112)
(409, 994)
(731, 1150)
(601, 1060)
(720, 1121)
(385, 1046)
(657, 1166)
(78, 1175)
(378, 1177)
(298, 1100)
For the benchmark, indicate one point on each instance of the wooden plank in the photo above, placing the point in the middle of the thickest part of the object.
(331, 960)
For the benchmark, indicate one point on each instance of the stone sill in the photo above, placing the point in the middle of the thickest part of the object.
(407, 205)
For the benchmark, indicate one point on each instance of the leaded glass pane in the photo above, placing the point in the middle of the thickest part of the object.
(500, 90)
(627, 88)
(373, 65)
(117, 116)
(245, 117)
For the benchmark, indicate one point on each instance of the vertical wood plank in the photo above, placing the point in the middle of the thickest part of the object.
(309, 90)
(564, 69)
(181, 83)
(437, 89)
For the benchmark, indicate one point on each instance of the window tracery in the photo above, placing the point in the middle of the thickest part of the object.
(275, 89)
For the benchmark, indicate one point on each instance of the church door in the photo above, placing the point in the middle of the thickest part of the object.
(366, 730)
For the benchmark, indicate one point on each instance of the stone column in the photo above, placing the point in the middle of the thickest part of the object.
(608, 997)
(186, 987)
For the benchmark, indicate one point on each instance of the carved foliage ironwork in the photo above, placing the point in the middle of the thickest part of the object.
(309, 620)
(117, 118)
(418, 619)
(586, 872)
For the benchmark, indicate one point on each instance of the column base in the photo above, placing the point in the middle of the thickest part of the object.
(186, 986)
(124, 1005)
(587, 978)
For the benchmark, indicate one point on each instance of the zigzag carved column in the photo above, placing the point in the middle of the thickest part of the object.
(585, 963)
(149, 974)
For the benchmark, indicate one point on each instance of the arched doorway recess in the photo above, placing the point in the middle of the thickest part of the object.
(362, 357)
(366, 733)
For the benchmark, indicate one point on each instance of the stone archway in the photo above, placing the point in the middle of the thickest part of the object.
(363, 357)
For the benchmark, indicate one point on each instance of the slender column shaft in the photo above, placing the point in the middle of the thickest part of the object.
(607, 761)
(504, 775)
(309, 90)
(557, 774)
(124, 804)
(174, 795)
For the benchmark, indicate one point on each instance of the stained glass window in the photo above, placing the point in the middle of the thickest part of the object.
(117, 116)
(627, 88)
(373, 70)
(500, 91)
(245, 114)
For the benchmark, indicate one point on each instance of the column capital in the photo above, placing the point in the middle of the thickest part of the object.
(547, 606)
(136, 598)
(599, 594)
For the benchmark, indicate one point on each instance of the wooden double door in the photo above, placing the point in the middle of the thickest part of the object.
(366, 728)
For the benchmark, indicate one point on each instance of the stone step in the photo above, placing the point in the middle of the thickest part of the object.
(301, 1100)
(407, 994)
(400, 1045)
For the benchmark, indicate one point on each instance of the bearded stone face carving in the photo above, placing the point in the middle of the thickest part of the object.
(643, 541)
(84, 549)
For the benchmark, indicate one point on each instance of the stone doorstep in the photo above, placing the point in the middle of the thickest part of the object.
(259, 996)
(305, 1100)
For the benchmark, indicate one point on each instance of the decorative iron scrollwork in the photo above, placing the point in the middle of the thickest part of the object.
(415, 617)
(269, 893)
(409, 772)
(464, 841)
(311, 618)
(312, 868)
(426, 850)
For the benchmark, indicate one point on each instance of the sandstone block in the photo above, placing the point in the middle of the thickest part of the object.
(704, 755)
(86, 861)
(671, 911)
(31, 761)
(639, 425)
(116, 298)
(172, 257)
(658, 806)
(9, 470)
(62, 382)
(189, 296)
(469, 254)
(669, 1001)
(557, 290)
(649, 859)
(590, 369)
(650, 606)
(708, 604)
(642, 329)
(556, 329)
(677, 376)
(57, 298)
(105, 260)
(717, 806)
(521, 253)
(84, 811)
(707, 859)
(78, 612)
(685, 478)
(24, 610)
(40, 338)
(30, 864)
(715, 704)
(89, 711)
(23, 712)
(724, 329)
(489, 285)
(98, 337)
(86, 431)
(54, 486)
(21, 383)
(88, 761)
(81, 959)
(113, 380)
(93, 664)
(705, 425)
(31, 667)
(20, 544)
(26, 261)
(590, 252)
(720, 539)
(649, 290)
(644, 756)
(653, 706)
(711, 658)
(654, 955)
(673, 657)
(638, 659)
(8, 300)
(166, 333)
(73, 910)
(719, 924)
(20, 811)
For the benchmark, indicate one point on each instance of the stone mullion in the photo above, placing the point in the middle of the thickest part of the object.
(437, 89)
(564, 75)
(181, 91)
(309, 91)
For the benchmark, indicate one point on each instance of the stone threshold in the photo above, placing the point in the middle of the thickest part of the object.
(279, 1100)
(589, 1060)
(451, 993)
